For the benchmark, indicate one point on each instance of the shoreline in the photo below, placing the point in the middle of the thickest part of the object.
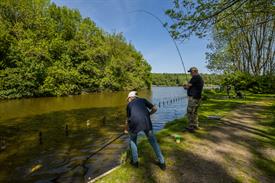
(210, 87)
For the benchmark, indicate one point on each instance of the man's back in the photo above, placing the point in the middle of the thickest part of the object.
(139, 115)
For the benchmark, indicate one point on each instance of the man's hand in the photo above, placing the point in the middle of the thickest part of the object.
(153, 110)
(186, 86)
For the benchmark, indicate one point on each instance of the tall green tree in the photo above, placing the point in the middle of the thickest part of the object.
(199, 16)
(243, 37)
(47, 50)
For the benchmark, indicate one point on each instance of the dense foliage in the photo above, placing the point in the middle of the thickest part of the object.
(243, 44)
(199, 16)
(46, 50)
(174, 79)
(244, 81)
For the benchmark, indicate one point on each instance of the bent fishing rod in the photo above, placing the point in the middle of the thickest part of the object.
(97, 151)
(164, 26)
(104, 146)
(83, 163)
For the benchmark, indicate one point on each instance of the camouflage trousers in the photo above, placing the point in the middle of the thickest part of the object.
(192, 111)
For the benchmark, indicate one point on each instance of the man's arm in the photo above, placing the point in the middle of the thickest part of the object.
(186, 86)
(194, 80)
(126, 127)
(149, 105)
(153, 110)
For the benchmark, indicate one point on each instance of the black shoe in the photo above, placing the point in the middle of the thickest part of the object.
(134, 164)
(162, 166)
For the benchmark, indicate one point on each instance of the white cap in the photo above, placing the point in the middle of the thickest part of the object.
(132, 94)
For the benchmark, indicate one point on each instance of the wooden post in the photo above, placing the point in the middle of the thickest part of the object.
(104, 120)
(40, 137)
(2, 143)
(67, 130)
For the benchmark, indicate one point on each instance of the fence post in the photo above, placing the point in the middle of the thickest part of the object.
(40, 137)
(104, 120)
(67, 130)
(2, 143)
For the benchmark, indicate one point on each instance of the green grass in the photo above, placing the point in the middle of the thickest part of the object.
(267, 125)
(217, 104)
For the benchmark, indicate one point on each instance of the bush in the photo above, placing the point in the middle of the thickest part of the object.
(247, 82)
(206, 94)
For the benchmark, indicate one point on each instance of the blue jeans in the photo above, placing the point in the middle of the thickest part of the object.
(153, 141)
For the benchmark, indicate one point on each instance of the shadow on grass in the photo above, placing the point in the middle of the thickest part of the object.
(263, 136)
(182, 166)
(249, 129)
(256, 139)
(264, 164)
(269, 122)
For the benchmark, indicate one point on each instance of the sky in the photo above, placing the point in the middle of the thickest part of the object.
(143, 31)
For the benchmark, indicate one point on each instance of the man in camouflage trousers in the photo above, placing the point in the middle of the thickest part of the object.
(194, 89)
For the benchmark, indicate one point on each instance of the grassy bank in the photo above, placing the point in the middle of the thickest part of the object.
(181, 158)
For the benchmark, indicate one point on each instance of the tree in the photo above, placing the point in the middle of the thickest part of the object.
(199, 16)
(249, 49)
(46, 50)
(243, 37)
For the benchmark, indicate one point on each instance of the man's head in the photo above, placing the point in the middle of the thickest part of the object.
(193, 71)
(131, 96)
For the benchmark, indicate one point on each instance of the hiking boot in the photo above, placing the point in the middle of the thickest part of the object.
(162, 166)
(134, 164)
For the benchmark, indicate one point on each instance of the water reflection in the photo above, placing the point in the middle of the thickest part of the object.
(92, 121)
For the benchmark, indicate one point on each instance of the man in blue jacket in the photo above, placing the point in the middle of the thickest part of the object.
(138, 120)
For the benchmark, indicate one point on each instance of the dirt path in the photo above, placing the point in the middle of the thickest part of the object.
(234, 150)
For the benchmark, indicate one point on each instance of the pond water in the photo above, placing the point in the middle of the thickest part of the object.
(51, 139)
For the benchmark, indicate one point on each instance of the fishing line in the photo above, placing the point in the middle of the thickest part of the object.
(164, 26)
